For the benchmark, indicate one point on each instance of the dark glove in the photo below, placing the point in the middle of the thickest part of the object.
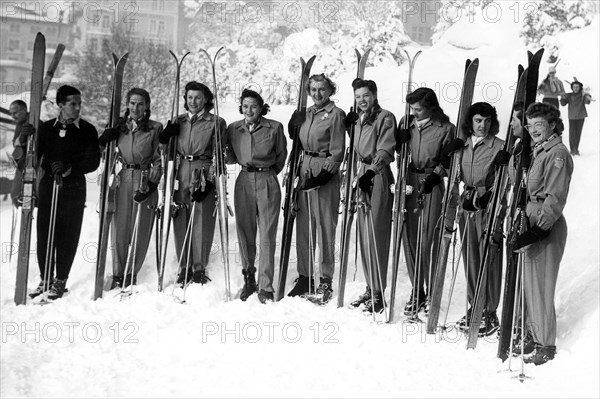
(482, 202)
(109, 134)
(501, 158)
(451, 147)
(498, 235)
(58, 168)
(295, 123)
(430, 182)
(365, 182)
(531, 236)
(171, 130)
(59, 180)
(200, 195)
(322, 178)
(403, 136)
(350, 119)
(26, 130)
(447, 150)
(139, 196)
(468, 203)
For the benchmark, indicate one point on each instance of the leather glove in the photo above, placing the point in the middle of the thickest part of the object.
(501, 158)
(453, 146)
(59, 180)
(448, 150)
(26, 130)
(403, 136)
(58, 168)
(139, 196)
(468, 203)
(365, 182)
(171, 130)
(322, 178)
(109, 134)
(531, 236)
(350, 119)
(482, 202)
(295, 123)
(200, 195)
(430, 182)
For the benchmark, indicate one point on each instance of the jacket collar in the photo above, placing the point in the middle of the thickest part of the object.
(327, 108)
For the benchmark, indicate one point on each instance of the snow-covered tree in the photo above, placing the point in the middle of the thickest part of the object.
(550, 17)
(149, 66)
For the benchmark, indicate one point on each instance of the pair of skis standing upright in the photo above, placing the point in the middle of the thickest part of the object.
(39, 89)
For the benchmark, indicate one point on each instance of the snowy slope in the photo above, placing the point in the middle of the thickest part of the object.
(151, 346)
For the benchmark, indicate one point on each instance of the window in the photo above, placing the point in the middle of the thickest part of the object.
(105, 22)
(94, 45)
(13, 45)
(153, 26)
(161, 27)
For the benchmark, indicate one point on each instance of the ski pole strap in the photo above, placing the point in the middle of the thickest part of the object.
(135, 166)
(535, 198)
(255, 169)
(191, 158)
(315, 154)
(412, 169)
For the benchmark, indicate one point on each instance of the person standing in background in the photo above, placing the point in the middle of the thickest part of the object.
(576, 101)
(551, 88)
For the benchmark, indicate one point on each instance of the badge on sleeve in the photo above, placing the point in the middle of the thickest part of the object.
(559, 163)
(388, 121)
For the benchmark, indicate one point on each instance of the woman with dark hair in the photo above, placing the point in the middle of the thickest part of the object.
(139, 172)
(259, 145)
(576, 100)
(195, 134)
(477, 172)
(322, 135)
(429, 132)
(543, 244)
(374, 144)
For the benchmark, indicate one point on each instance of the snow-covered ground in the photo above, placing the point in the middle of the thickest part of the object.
(152, 346)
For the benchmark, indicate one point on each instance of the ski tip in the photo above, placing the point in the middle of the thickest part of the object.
(173, 54)
(357, 53)
(310, 61)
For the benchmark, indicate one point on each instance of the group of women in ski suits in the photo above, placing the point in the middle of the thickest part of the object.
(259, 145)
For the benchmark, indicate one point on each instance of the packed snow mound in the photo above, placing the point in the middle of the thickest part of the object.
(476, 27)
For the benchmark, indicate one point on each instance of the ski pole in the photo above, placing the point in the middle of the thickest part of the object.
(133, 243)
(311, 244)
(414, 317)
(367, 256)
(48, 265)
(454, 272)
(371, 228)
